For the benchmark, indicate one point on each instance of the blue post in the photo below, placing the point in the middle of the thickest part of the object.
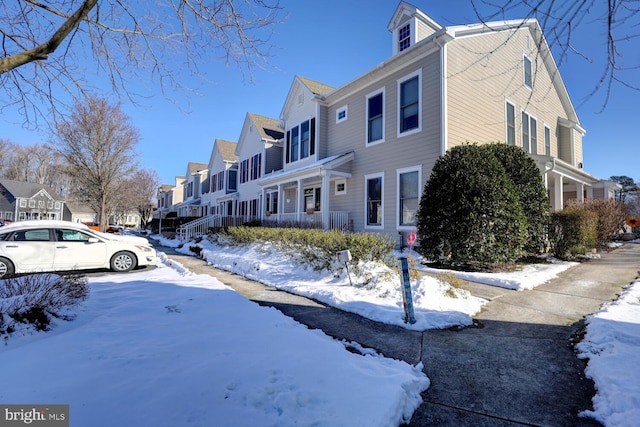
(407, 298)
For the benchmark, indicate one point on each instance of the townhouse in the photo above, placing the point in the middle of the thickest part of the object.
(357, 157)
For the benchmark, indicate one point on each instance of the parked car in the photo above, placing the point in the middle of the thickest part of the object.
(110, 228)
(4, 222)
(48, 245)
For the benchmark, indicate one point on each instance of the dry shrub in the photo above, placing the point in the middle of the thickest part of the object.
(38, 298)
(611, 216)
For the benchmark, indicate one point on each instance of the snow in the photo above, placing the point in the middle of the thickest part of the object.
(376, 292)
(165, 347)
(612, 345)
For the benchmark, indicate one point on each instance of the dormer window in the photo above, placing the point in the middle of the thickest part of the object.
(404, 37)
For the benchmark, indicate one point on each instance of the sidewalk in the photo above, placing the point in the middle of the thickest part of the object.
(516, 365)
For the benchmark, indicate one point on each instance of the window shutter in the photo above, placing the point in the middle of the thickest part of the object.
(286, 159)
(312, 131)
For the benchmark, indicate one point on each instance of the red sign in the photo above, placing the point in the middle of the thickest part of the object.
(411, 238)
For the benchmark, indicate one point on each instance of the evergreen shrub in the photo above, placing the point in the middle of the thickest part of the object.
(573, 232)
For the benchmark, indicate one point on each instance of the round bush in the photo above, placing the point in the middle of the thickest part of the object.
(470, 213)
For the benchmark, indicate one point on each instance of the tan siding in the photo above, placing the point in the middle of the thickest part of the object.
(564, 144)
(482, 77)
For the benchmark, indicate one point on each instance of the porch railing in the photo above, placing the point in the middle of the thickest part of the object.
(199, 227)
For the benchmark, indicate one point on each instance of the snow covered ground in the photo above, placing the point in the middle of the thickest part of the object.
(376, 292)
(165, 347)
(612, 345)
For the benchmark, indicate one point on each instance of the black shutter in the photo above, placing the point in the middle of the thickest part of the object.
(312, 148)
(288, 144)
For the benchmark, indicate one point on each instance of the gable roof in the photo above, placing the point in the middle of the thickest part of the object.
(268, 128)
(12, 189)
(194, 167)
(316, 87)
(227, 150)
(313, 87)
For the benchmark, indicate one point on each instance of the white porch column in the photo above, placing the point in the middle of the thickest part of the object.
(280, 202)
(299, 202)
(580, 191)
(558, 197)
(324, 200)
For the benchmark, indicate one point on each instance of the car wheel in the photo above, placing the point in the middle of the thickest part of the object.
(6, 268)
(123, 261)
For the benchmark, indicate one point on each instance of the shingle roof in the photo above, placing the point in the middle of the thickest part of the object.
(316, 87)
(26, 189)
(267, 127)
(227, 149)
(194, 167)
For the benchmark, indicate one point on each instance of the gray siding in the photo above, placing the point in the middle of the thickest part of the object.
(419, 149)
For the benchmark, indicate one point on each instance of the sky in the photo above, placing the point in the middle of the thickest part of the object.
(137, 343)
(334, 42)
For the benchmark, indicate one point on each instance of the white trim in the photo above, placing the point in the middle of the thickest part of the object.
(366, 217)
(399, 172)
(545, 127)
(399, 83)
(376, 92)
(345, 109)
(524, 73)
(506, 123)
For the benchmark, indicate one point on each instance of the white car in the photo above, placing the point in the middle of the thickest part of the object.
(38, 246)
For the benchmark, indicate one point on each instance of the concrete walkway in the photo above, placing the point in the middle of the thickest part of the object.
(516, 366)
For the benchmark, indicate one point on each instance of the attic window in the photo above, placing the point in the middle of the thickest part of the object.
(404, 37)
(301, 98)
(528, 80)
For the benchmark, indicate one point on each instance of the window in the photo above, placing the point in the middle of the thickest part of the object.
(525, 132)
(408, 195)
(341, 186)
(375, 117)
(295, 142)
(301, 141)
(373, 197)
(409, 103)
(341, 114)
(404, 37)
(533, 131)
(528, 79)
(23, 203)
(304, 139)
(232, 180)
(547, 141)
(511, 124)
(529, 133)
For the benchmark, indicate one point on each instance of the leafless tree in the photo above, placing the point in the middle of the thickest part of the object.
(98, 144)
(617, 20)
(48, 48)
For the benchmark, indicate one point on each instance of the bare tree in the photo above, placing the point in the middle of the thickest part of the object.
(45, 46)
(137, 195)
(617, 20)
(97, 143)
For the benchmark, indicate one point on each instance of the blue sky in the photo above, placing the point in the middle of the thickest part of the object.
(334, 42)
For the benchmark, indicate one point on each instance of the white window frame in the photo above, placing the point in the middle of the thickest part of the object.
(547, 143)
(366, 216)
(341, 181)
(409, 38)
(398, 213)
(526, 58)
(366, 118)
(506, 122)
(530, 117)
(344, 109)
(399, 83)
